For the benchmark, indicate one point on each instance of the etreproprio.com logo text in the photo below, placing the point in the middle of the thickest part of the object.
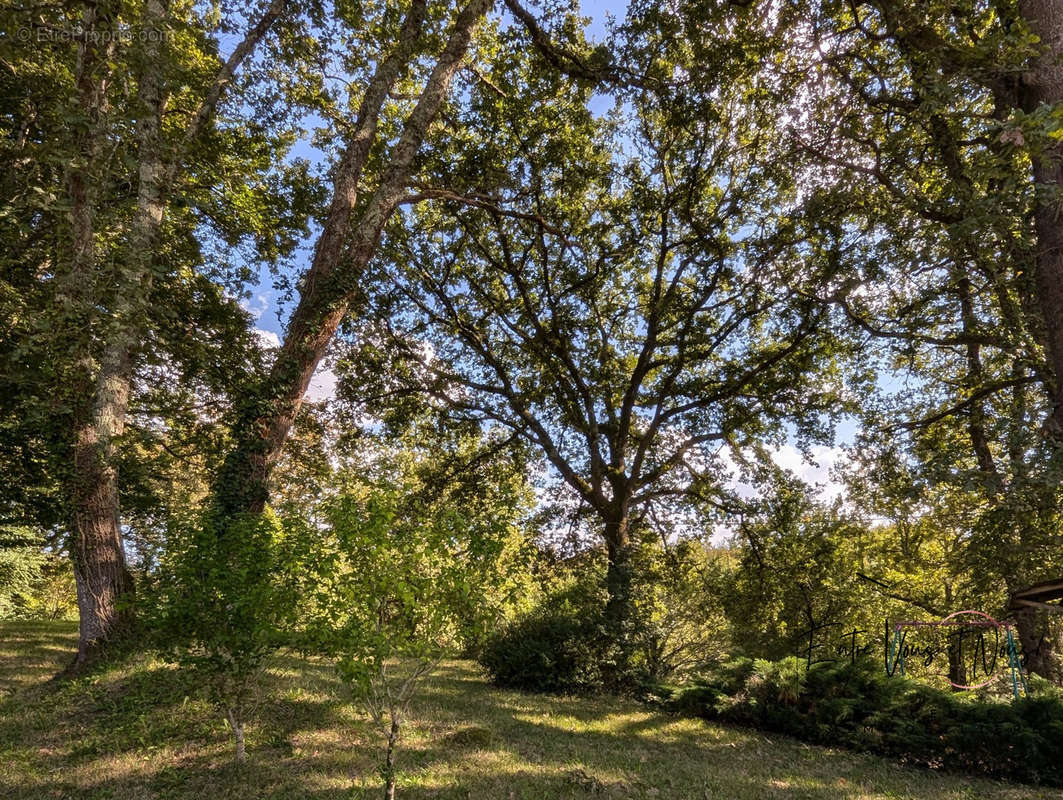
(44, 34)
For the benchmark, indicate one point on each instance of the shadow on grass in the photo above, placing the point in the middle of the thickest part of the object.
(32, 652)
(142, 730)
(138, 728)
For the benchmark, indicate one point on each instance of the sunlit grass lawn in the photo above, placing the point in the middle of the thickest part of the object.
(141, 731)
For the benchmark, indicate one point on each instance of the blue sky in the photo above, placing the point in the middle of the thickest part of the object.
(263, 301)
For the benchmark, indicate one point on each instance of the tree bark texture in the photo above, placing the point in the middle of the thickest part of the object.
(389, 761)
(344, 249)
(236, 722)
(1038, 643)
(1042, 85)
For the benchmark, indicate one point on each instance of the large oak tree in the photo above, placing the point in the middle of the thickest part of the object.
(629, 293)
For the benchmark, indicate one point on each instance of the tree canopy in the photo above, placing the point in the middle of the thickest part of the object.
(634, 269)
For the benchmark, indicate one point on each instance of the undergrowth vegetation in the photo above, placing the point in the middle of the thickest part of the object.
(855, 705)
(564, 642)
(142, 728)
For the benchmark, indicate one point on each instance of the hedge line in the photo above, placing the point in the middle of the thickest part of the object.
(856, 706)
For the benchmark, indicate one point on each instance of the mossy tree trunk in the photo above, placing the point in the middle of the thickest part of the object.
(343, 250)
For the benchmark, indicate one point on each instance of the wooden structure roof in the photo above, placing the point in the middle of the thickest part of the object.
(1040, 595)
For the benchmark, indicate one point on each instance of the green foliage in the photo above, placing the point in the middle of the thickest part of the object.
(35, 583)
(546, 651)
(20, 571)
(407, 580)
(806, 576)
(224, 602)
(856, 705)
(797, 566)
(945, 276)
(409, 566)
(677, 617)
(419, 546)
(558, 646)
(628, 292)
(221, 595)
(54, 594)
(564, 643)
(138, 205)
(633, 294)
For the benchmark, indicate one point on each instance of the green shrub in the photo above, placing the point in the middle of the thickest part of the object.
(35, 583)
(564, 644)
(547, 651)
(677, 623)
(20, 571)
(225, 601)
(857, 706)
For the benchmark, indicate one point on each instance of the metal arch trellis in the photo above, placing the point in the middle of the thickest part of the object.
(895, 654)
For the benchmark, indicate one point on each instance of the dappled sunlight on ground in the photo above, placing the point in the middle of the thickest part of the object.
(31, 652)
(142, 729)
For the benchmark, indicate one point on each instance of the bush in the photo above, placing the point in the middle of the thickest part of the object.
(565, 643)
(35, 583)
(857, 706)
(547, 651)
(678, 622)
(556, 645)
(226, 600)
(20, 572)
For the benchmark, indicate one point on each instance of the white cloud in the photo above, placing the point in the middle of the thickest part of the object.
(268, 339)
(322, 385)
(816, 472)
(816, 475)
(257, 306)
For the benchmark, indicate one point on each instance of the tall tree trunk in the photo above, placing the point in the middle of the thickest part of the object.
(341, 255)
(957, 667)
(618, 576)
(100, 571)
(105, 586)
(1039, 643)
(1042, 84)
(619, 580)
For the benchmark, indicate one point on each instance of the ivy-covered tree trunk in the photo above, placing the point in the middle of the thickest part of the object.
(101, 575)
(618, 578)
(1043, 85)
(332, 281)
(620, 624)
